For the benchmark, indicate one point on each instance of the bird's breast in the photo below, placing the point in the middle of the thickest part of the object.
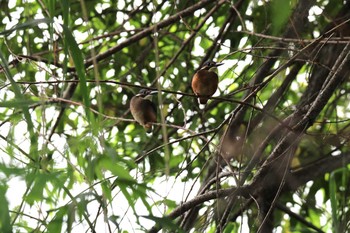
(143, 110)
(205, 82)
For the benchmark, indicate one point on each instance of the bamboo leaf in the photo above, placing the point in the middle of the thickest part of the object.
(78, 60)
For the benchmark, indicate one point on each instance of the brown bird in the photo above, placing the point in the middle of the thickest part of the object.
(205, 81)
(143, 109)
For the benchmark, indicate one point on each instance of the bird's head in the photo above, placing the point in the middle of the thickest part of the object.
(147, 94)
(210, 64)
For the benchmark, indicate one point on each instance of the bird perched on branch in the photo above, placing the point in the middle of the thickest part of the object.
(205, 81)
(143, 109)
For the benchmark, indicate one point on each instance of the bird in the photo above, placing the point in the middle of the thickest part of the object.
(143, 110)
(205, 81)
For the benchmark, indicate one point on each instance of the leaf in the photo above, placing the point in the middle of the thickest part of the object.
(78, 60)
(28, 24)
(165, 223)
(116, 169)
(17, 103)
(333, 200)
(55, 225)
(36, 192)
(281, 10)
(5, 219)
(20, 97)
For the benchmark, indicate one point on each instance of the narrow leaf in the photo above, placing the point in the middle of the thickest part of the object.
(78, 60)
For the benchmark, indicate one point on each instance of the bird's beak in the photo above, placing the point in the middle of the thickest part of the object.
(218, 64)
(153, 92)
(150, 95)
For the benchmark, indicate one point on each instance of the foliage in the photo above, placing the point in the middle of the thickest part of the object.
(270, 150)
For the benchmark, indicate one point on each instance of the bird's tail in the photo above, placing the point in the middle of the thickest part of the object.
(203, 100)
(148, 128)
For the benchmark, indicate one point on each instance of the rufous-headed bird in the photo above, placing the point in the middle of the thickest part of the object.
(205, 81)
(143, 109)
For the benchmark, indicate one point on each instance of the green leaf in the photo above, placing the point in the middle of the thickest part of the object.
(26, 25)
(5, 220)
(20, 97)
(55, 225)
(116, 169)
(281, 10)
(165, 223)
(17, 103)
(65, 11)
(106, 188)
(36, 192)
(333, 200)
(78, 60)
